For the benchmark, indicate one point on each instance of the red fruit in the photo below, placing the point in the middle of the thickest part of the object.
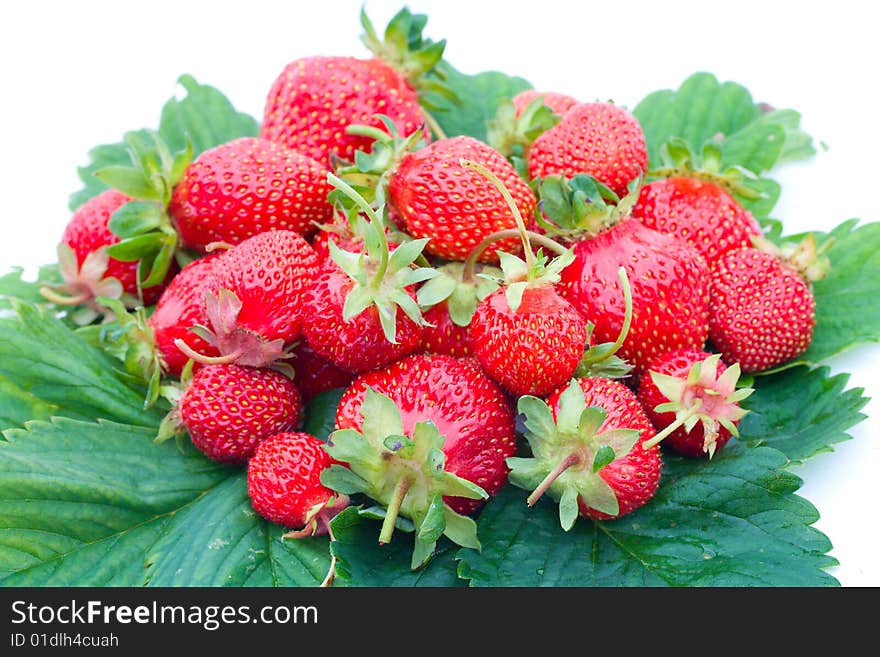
(531, 350)
(594, 449)
(357, 345)
(670, 290)
(455, 207)
(228, 410)
(284, 483)
(558, 102)
(87, 233)
(315, 98)
(245, 187)
(700, 212)
(691, 398)
(255, 301)
(600, 139)
(182, 306)
(315, 374)
(443, 336)
(467, 408)
(762, 310)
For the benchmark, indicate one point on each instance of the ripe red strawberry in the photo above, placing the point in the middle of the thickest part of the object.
(314, 374)
(182, 306)
(762, 309)
(228, 410)
(471, 411)
(254, 304)
(248, 186)
(670, 290)
(558, 102)
(456, 208)
(588, 451)
(284, 483)
(601, 139)
(692, 400)
(444, 336)
(700, 212)
(87, 269)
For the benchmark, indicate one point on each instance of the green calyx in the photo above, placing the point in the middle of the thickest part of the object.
(462, 293)
(381, 277)
(572, 208)
(804, 256)
(679, 160)
(405, 474)
(569, 453)
(703, 396)
(513, 135)
(413, 56)
(145, 230)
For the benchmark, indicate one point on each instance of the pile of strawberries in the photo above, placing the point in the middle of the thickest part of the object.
(448, 285)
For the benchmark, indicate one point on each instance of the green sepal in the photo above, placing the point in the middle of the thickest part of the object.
(378, 513)
(342, 480)
(571, 208)
(135, 248)
(433, 524)
(461, 296)
(512, 135)
(136, 217)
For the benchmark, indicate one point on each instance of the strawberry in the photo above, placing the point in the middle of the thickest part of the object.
(762, 305)
(86, 266)
(228, 409)
(442, 335)
(314, 99)
(314, 374)
(691, 398)
(427, 438)
(600, 139)
(247, 186)
(182, 306)
(284, 484)
(520, 120)
(558, 102)
(589, 451)
(453, 207)
(254, 302)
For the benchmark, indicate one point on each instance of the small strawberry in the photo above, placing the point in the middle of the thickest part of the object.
(228, 409)
(86, 266)
(179, 309)
(600, 139)
(314, 99)
(314, 374)
(453, 207)
(558, 102)
(442, 335)
(589, 451)
(352, 306)
(427, 438)
(691, 398)
(247, 186)
(254, 303)
(284, 484)
(762, 304)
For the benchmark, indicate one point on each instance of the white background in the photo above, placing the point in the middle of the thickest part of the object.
(78, 74)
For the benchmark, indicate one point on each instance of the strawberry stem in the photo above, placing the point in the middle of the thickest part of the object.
(572, 459)
(468, 273)
(679, 421)
(627, 312)
(206, 360)
(393, 509)
(63, 300)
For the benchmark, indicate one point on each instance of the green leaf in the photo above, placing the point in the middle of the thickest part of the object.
(17, 406)
(363, 562)
(202, 119)
(480, 94)
(12, 286)
(731, 521)
(53, 364)
(801, 412)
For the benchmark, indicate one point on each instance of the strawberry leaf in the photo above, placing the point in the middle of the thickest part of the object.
(731, 521)
(203, 118)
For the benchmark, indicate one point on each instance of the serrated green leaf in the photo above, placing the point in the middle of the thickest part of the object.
(801, 412)
(17, 406)
(363, 562)
(731, 521)
(13, 286)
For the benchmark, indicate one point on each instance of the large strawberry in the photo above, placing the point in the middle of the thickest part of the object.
(762, 307)
(228, 410)
(454, 207)
(248, 186)
(692, 399)
(254, 303)
(180, 308)
(589, 451)
(427, 438)
(600, 139)
(315, 99)
(86, 266)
